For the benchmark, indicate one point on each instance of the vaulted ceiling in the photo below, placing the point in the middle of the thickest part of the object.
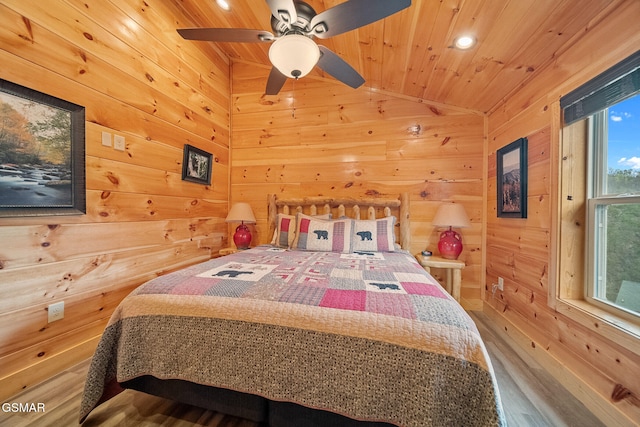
(411, 54)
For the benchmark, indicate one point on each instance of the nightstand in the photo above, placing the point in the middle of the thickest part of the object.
(453, 269)
(227, 251)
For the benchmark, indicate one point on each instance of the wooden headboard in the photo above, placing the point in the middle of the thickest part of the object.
(319, 205)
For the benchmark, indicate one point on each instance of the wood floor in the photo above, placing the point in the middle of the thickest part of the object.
(530, 396)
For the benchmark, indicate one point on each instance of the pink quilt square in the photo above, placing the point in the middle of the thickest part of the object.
(423, 289)
(194, 286)
(344, 299)
(399, 305)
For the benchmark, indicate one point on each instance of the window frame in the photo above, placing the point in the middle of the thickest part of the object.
(599, 197)
(567, 274)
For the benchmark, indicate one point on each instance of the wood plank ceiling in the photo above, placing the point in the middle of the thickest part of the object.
(411, 53)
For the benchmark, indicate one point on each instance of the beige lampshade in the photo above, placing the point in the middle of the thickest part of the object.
(451, 215)
(241, 212)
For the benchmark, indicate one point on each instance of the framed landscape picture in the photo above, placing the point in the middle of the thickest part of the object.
(512, 180)
(196, 165)
(42, 154)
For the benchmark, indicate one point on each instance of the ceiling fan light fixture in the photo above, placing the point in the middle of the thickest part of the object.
(294, 55)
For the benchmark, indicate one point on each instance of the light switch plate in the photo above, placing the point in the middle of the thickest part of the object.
(106, 139)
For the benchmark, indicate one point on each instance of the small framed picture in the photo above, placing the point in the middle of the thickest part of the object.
(512, 180)
(196, 165)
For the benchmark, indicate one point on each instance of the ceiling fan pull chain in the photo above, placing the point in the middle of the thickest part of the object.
(293, 102)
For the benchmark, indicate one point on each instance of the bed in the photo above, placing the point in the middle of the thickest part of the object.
(345, 328)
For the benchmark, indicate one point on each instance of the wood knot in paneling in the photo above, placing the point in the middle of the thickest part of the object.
(111, 177)
(620, 392)
(27, 24)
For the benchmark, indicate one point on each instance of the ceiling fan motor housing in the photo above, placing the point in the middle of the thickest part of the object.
(283, 24)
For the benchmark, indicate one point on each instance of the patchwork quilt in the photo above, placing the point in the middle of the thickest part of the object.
(369, 335)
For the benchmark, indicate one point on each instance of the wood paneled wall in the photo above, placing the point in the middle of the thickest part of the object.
(124, 62)
(324, 138)
(590, 363)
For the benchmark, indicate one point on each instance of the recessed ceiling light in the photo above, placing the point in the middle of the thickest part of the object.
(223, 4)
(464, 42)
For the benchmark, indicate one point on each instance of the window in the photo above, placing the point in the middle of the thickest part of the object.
(600, 189)
(613, 207)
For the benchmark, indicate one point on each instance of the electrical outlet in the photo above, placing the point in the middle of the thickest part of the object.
(118, 142)
(56, 311)
(494, 287)
(501, 283)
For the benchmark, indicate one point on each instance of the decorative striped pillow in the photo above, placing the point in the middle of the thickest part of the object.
(285, 231)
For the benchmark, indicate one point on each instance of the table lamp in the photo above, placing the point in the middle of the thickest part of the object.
(242, 213)
(451, 215)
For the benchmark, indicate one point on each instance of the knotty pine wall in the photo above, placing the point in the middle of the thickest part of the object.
(592, 364)
(324, 138)
(137, 78)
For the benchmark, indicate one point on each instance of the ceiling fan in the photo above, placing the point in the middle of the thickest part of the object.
(293, 53)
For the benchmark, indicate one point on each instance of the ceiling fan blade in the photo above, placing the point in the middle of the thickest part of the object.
(353, 14)
(226, 35)
(338, 68)
(284, 11)
(275, 82)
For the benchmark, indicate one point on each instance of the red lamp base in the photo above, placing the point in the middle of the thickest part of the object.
(450, 244)
(242, 237)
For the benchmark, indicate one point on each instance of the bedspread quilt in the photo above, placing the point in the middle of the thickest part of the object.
(368, 335)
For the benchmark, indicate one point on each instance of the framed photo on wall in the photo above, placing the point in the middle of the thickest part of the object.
(42, 154)
(196, 165)
(512, 179)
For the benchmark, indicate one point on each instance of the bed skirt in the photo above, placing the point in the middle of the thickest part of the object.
(243, 405)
